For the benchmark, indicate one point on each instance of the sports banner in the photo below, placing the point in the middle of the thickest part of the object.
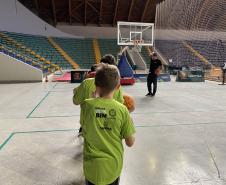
(190, 76)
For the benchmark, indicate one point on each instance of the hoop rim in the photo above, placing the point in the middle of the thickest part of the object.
(138, 42)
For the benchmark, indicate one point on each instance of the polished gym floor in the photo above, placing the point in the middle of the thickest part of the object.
(180, 139)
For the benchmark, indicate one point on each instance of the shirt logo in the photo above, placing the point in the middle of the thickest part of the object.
(101, 113)
(112, 113)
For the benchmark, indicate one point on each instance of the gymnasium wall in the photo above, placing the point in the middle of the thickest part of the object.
(12, 70)
(89, 31)
(14, 17)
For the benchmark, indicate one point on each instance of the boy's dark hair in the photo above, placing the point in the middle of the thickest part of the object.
(94, 67)
(108, 59)
(107, 78)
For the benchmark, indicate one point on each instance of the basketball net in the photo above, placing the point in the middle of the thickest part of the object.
(138, 44)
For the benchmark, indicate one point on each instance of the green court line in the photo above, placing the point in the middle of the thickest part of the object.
(138, 113)
(66, 116)
(30, 132)
(45, 131)
(28, 116)
(6, 141)
(70, 130)
(160, 125)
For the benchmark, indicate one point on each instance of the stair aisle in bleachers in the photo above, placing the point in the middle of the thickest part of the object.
(80, 50)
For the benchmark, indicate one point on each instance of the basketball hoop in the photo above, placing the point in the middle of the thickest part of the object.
(141, 33)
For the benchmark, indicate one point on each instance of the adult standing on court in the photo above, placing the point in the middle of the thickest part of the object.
(224, 72)
(155, 68)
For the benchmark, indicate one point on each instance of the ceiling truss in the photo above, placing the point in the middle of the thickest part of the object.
(99, 12)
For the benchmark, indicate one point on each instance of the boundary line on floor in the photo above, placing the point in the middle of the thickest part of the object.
(30, 132)
(42, 117)
(67, 130)
(6, 141)
(47, 94)
(40, 102)
(138, 113)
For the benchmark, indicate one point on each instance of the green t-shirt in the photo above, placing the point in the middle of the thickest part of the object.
(105, 122)
(86, 90)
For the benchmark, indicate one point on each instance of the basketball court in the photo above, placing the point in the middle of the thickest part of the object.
(53, 45)
(180, 135)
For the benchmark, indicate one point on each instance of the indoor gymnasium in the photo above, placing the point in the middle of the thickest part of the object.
(110, 92)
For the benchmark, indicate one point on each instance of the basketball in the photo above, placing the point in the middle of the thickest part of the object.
(158, 71)
(129, 102)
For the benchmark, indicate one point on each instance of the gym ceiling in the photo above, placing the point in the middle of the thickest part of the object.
(93, 12)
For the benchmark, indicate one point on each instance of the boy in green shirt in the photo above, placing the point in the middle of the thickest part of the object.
(105, 124)
(87, 88)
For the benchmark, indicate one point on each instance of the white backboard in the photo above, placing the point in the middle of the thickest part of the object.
(131, 32)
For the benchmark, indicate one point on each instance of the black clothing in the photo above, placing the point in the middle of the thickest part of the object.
(80, 130)
(224, 73)
(154, 64)
(114, 183)
(152, 77)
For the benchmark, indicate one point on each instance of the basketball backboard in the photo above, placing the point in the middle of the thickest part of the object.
(131, 33)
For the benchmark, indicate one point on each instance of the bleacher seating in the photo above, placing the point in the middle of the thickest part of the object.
(40, 50)
(41, 46)
(16, 50)
(213, 51)
(108, 46)
(178, 53)
(80, 50)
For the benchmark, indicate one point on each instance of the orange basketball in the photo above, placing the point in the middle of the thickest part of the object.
(158, 71)
(129, 102)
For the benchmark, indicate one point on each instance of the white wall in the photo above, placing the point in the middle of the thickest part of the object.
(89, 31)
(14, 17)
(12, 70)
